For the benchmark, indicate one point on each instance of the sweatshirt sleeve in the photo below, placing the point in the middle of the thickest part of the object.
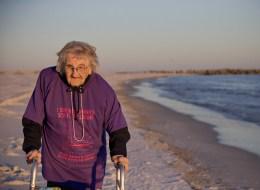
(117, 142)
(32, 135)
(33, 117)
(116, 126)
(35, 107)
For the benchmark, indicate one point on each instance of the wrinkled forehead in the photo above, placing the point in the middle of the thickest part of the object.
(77, 56)
(73, 58)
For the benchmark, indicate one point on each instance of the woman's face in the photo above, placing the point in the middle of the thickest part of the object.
(77, 69)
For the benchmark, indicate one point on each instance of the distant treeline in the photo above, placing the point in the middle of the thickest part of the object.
(225, 71)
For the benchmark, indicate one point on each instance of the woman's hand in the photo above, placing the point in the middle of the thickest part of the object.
(120, 159)
(33, 155)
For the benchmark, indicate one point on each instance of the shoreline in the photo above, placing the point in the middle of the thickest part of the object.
(206, 163)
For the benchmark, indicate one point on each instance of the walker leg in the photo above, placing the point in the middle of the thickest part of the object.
(120, 177)
(33, 175)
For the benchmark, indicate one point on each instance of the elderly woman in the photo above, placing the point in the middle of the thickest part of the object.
(69, 111)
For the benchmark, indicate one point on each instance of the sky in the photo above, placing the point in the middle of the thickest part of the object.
(133, 35)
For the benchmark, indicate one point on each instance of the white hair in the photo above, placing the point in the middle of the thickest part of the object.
(79, 49)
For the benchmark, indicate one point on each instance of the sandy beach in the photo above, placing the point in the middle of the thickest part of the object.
(168, 150)
(186, 74)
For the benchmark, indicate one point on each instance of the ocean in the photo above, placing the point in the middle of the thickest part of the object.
(228, 103)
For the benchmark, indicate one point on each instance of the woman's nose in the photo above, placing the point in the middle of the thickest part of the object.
(75, 73)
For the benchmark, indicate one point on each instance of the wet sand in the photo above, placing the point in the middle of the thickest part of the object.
(203, 161)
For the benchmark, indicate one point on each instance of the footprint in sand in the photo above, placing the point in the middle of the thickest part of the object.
(14, 148)
(13, 175)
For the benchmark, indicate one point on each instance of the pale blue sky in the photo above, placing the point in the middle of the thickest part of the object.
(133, 35)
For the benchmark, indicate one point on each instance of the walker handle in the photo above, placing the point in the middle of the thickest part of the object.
(120, 177)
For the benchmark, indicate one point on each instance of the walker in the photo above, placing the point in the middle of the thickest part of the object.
(120, 178)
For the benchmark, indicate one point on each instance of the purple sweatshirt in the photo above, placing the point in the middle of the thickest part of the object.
(73, 126)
